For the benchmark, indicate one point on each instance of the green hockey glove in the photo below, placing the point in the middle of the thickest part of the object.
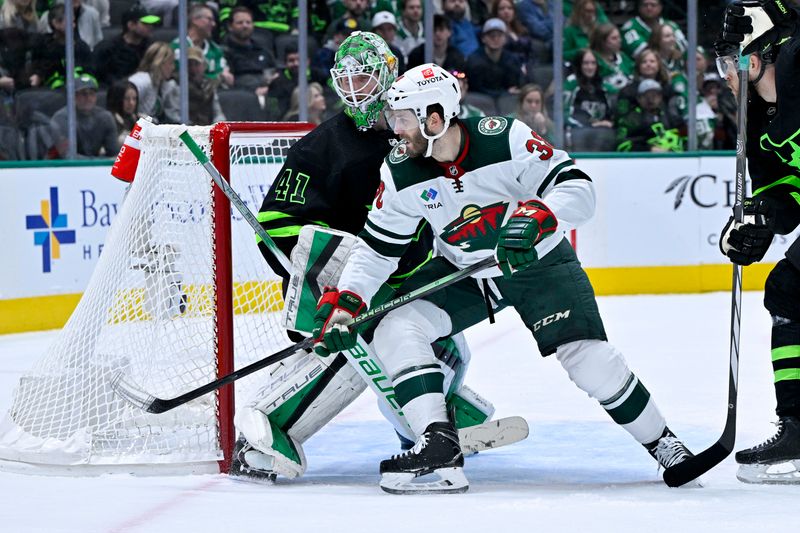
(334, 311)
(531, 222)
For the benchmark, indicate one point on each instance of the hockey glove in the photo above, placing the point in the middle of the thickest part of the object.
(334, 311)
(531, 222)
(746, 242)
(758, 24)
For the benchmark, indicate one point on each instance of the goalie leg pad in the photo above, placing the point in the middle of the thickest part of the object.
(600, 370)
(299, 400)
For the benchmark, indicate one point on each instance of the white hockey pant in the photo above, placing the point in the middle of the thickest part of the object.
(600, 370)
(403, 338)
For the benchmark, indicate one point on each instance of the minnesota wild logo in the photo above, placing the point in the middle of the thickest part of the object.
(492, 125)
(476, 228)
(398, 154)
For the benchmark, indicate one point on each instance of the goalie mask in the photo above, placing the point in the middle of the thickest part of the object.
(364, 68)
(418, 89)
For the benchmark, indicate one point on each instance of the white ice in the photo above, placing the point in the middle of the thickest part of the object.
(576, 472)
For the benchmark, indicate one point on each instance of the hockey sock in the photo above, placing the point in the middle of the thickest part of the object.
(786, 365)
(419, 391)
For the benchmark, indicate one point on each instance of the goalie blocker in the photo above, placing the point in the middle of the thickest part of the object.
(305, 391)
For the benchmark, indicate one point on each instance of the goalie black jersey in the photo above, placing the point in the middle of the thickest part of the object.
(773, 138)
(330, 178)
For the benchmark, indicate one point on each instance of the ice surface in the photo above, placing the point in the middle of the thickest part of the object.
(576, 472)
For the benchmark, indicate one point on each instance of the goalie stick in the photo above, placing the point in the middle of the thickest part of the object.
(153, 404)
(692, 468)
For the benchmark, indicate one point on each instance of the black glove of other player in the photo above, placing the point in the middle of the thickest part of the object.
(758, 24)
(746, 242)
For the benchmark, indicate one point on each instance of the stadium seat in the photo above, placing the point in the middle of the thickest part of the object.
(484, 102)
(238, 104)
(46, 101)
(507, 104)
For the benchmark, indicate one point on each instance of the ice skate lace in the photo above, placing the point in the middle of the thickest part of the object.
(770, 441)
(670, 451)
(417, 448)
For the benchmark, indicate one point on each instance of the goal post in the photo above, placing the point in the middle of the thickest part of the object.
(179, 296)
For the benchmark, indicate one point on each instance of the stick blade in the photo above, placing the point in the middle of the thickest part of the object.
(133, 394)
(691, 469)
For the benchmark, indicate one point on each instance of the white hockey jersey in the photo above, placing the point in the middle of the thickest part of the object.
(501, 162)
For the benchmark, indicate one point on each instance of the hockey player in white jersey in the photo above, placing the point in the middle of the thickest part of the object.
(486, 186)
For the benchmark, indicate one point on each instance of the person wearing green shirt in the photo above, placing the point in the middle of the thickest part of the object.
(615, 66)
(580, 26)
(637, 30)
(201, 26)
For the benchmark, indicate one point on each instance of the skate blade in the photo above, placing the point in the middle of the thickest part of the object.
(785, 473)
(449, 480)
(256, 478)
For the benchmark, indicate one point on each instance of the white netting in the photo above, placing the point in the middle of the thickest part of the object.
(149, 311)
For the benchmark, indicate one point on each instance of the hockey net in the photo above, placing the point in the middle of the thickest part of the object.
(179, 289)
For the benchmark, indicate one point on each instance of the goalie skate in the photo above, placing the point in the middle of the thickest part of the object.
(775, 461)
(434, 465)
(250, 465)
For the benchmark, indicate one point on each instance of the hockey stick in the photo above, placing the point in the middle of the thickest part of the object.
(371, 370)
(682, 473)
(152, 404)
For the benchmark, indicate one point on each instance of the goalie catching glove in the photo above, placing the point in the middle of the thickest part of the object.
(531, 222)
(335, 310)
(746, 242)
(758, 24)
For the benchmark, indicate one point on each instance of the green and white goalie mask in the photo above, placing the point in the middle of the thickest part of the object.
(364, 68)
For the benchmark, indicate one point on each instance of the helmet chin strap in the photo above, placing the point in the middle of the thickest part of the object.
(432, 138)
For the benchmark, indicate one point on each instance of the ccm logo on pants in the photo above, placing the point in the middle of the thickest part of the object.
(550, 319)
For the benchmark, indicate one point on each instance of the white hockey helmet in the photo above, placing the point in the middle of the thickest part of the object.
(421, 87)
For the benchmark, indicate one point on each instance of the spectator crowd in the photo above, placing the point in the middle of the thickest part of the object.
(626, 84)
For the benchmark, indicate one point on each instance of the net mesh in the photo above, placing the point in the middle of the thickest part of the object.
(149, 312)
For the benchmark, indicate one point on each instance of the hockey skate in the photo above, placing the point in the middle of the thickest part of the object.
(248, 464)
(434, 465)
(668, 450)
(776, 460)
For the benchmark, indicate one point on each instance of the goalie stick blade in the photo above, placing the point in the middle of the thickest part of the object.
(693, 468)
(493, 434)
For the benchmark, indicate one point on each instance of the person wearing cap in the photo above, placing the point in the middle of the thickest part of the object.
(252, 64)
(204, 106)
(357, 10)
(201, 26)
(118, 57)
(384, 24)
(96, 130)
(464, 37)
(324, 57)
(493, 70)
(410, 29)
(87, 20)
(648, 127)
(444, 53)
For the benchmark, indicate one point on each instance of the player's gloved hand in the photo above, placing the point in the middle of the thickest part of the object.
(531, 222)
(334, 311)
(746, 242)
(758, 24)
